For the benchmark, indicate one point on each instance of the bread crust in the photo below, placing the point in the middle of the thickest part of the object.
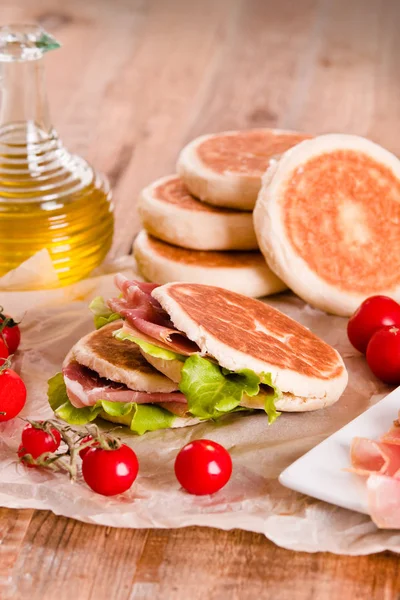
(321, 385)
(230, 189)
(252, 277)
(205, 229)
(119, 361)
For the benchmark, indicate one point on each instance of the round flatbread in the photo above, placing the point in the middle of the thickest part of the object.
(243, 333)
(242, 272)
(122, 361)
(328, 221)
(169, 212)
(118, 360)
(225, 169)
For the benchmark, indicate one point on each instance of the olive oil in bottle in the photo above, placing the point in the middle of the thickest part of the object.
(48, 197)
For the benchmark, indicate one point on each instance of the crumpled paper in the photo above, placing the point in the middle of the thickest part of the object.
(53, 320)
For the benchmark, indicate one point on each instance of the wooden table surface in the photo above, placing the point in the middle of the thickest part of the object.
(135, 80)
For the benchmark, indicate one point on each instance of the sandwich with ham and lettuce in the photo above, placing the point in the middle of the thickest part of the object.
(177, 354)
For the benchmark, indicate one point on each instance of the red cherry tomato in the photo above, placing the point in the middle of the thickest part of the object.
(36, 441)
(11, 334)
(84, 451)
(110, 472)
(12, 394)
(373, 314)
(3, 351)
(383, 354)
(203, 467)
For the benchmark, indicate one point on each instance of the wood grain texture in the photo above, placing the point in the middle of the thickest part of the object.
(135, 80)
(13, 527)
(64, 559)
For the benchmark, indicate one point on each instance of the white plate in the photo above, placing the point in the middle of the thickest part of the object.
(320, 474)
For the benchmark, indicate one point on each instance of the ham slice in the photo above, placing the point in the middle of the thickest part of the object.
(144, 314)
(138, 295)
(369, 456)
(140, 307)
(128, 287)
(384, 501)
(85, 387)
(380, 462)
(175, 340)
(141, 312)
(169, 341)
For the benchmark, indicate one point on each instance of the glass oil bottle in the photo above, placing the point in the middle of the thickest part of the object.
(49, 198)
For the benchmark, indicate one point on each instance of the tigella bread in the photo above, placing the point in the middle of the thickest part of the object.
(243, 272)
(167, 356)
(170, 213)
(225, 169)
(327, 220)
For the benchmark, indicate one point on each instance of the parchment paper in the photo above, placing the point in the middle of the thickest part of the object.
(53, 320)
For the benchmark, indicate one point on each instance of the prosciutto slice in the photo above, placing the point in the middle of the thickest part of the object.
(140, 312)
(128, 287)
(138, 294)
(174, 342)
(384, 501)
(144, 314)
(85, 387)
(380, 462)
(369, 456)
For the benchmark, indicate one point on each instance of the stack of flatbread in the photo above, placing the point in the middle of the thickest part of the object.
(198, 224)
(326, 217)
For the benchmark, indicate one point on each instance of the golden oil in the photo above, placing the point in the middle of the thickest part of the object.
(48, 197)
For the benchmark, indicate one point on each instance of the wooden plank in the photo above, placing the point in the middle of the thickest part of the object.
(262, 51)
(384, 125)
(206, 563)
(349, 73)
(145, 114)
(66, 559)
(13, 527)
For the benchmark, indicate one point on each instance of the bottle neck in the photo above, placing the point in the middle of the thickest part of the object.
(24, 112)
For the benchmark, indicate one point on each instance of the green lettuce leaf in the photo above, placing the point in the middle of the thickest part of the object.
(143, 417)
(270, 409)
(62, 407)
(212, 391)
(150, 349)
(270, 397)
(138, 417)
(102, 314)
